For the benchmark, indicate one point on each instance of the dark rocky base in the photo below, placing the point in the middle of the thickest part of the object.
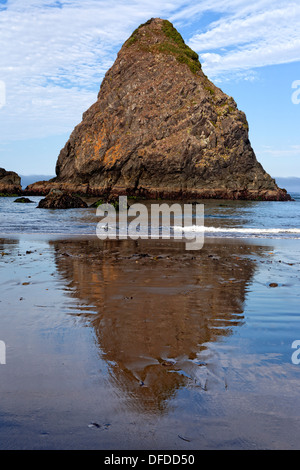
(83, 190)
(10, 190)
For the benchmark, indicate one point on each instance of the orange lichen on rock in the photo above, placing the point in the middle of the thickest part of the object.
(113, 154)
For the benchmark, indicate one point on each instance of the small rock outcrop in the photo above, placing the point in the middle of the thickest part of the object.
(23, 200)
(59, 200)
(161, 128)
(10, 182)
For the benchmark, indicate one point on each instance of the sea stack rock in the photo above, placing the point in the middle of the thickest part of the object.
(161, 128)
(10, 182)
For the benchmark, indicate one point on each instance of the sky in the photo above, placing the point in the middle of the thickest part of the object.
(54, 54)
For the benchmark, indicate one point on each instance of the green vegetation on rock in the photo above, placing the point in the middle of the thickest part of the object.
(183, 53)
(175, 45)
(98, 203)
(210, 90)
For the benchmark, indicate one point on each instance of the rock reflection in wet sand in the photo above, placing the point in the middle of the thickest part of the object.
(155, 308)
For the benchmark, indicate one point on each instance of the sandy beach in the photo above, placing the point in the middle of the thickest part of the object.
(143, 345)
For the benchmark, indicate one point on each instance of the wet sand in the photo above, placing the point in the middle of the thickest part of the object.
(142, 345)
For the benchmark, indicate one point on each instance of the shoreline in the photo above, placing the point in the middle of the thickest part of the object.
(207, 239)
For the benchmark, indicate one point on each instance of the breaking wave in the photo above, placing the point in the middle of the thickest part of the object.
(245, 231)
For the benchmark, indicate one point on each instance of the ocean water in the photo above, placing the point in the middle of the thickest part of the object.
(142, 344)
(231, 219)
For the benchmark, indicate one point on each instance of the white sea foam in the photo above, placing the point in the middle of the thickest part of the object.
(197, 228)
(233, 230)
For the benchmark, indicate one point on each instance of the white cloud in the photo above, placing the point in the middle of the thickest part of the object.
(289, 151)
(259, 34)
(54, 54)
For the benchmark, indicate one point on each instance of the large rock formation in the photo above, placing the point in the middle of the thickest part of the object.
(160, 128)
(10, 182)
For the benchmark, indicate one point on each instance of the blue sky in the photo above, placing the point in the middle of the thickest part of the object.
(54, 54)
